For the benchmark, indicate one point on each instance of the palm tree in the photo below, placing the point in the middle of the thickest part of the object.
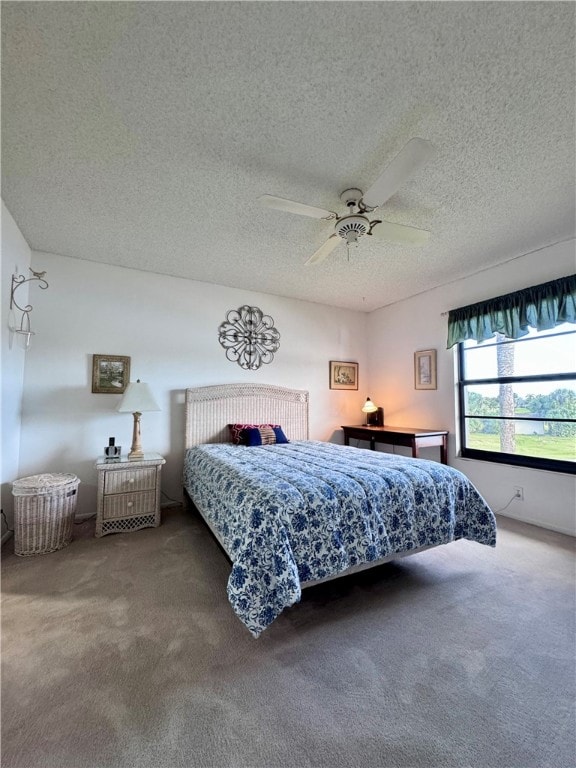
(505, 361)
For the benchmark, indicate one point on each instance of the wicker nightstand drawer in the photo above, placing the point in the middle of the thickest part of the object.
(129, 480)
(129, 504)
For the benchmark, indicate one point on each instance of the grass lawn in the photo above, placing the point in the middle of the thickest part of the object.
(529, 445)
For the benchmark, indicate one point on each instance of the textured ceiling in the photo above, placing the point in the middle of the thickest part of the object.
(142, 133)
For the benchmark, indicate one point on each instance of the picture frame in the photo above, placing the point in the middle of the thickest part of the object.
(343, 375)
(425, 376)
(110, 374)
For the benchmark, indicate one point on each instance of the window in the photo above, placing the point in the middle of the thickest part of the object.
(518, 398)
(517, 376)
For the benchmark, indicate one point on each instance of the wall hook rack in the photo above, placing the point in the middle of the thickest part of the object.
(23, 328)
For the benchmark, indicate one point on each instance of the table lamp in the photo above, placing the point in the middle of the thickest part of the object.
(137, 399)
(368, 408)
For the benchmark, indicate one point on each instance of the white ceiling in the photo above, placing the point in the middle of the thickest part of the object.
(141, 134)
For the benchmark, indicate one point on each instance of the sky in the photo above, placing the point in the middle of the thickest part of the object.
(546, 352)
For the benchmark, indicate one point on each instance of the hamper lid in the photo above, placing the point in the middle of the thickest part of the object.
(46, 483)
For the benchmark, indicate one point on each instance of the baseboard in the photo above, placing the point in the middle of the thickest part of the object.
(538, 524)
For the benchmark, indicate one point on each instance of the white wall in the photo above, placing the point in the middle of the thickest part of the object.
(168, 326)
(15, 259)
(397, 331)
(51, 422)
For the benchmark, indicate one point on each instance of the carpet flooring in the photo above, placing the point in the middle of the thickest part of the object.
(123, 652)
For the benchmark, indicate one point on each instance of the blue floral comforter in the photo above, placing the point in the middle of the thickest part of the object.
(303, 511)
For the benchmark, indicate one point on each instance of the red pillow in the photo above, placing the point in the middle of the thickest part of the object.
(236, 431)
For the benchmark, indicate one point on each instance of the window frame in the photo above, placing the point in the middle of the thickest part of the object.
(531, 462)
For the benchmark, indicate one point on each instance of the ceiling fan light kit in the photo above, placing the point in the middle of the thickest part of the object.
(356, 224)
(350, 228)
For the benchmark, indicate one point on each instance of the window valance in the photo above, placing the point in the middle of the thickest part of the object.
(540, 306)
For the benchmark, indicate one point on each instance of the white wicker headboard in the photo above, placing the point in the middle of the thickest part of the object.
(209, 410)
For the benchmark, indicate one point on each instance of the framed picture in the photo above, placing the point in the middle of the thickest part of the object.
(343, 375)
(425, 369)
(110, 374)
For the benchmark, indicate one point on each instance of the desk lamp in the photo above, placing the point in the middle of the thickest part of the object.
(374, 415)
(369, 408)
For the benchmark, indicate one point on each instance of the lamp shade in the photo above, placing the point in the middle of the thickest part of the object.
(369, 406)
(137, 399)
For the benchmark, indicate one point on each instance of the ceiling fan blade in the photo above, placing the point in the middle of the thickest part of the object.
(290, 206)
(413, 156)
(401, 233)
(325, 249)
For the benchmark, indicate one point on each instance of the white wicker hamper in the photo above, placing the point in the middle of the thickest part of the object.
(44, 509)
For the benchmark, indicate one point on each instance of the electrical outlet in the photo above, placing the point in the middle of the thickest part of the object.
(519, 492)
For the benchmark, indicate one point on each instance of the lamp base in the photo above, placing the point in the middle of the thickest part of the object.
(136, 451)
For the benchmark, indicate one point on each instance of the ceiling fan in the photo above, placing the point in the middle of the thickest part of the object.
(356, 222)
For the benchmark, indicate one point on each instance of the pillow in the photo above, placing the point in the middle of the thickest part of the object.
(237, 429)
(262, 435)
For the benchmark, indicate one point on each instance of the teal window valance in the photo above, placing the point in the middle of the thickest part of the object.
(540, 307)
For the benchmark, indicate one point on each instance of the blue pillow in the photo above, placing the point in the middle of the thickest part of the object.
(253, 436)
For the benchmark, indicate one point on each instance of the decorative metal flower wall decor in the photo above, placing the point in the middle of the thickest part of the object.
(249, 337)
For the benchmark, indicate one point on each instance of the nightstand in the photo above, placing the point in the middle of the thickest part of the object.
(128, 494)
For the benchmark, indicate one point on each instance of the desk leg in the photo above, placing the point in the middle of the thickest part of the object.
(346, 440)
(443, 449)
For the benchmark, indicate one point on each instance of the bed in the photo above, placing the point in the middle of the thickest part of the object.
(291, 515)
